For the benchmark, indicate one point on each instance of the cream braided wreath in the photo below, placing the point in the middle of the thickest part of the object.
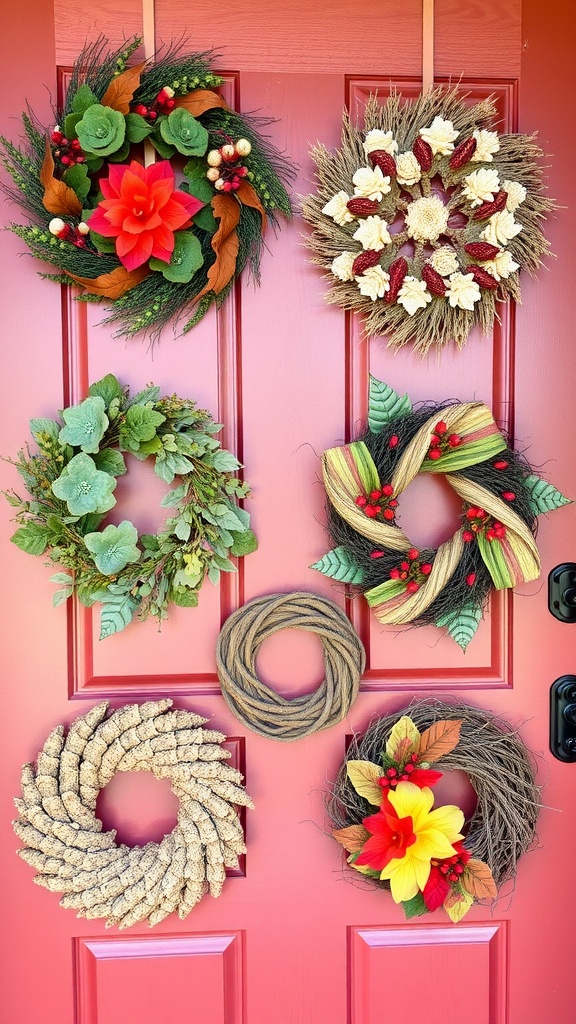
(63, 837)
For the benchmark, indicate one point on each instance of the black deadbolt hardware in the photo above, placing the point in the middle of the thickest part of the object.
(563, 718)
(562, 592)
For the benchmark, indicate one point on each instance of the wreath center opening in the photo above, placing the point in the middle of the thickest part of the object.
(141, 808)
(455, 788)
(429, 510)
(291, 662)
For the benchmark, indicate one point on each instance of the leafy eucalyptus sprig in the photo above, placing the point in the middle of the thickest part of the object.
(71, 481)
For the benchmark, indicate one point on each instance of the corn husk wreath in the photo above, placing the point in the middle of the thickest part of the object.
(494, 548)
(425, 218)
(128, 234)
(63, 838)
(383, 797)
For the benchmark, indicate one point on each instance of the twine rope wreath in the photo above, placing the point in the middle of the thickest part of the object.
(498, 764)
(64, 840)
(258, 706)
(494, 546)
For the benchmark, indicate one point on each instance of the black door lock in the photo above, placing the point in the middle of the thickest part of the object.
(562, 592)
(563, 718)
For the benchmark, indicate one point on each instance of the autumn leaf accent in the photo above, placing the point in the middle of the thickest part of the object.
(58, 197)
(438, 740)
(457, 904)
(225, 244)
(403, 740)
(477, 880)
(121, 90)
(199, 101)
(114, 284)
(364, 777)
(352, 838)
(248, 197)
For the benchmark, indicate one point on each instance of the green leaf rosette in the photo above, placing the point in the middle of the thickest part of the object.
(185, 133)
(85, 488)
(114, 548)
(101, 130)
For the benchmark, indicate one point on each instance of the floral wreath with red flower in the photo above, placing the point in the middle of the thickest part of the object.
(427, 855)
(493, 548)
(125, 230)
(425, 218)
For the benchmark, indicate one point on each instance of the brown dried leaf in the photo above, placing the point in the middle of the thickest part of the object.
(114, 284)
(439, 740)
(121, 90)
(225, 244)
(352, 838)
(477, 880)
(247, 195)
(58, 198)
(199, 101)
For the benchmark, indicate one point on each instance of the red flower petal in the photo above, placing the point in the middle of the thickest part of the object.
(436, 889)
(422, 777)
(139, 251)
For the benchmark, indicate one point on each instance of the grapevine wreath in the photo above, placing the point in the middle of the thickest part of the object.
(425, 218)
(493, 548)
(63, 838)
(71, 482)
(432, 858)
(126, 232)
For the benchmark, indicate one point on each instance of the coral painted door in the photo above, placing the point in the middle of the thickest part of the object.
(290, 940)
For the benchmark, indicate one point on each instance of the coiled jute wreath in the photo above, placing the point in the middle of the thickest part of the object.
(493, 547)
(389, 767)
(261, 708)
(63, 837)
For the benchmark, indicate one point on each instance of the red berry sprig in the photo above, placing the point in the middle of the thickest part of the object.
(453, 867)
(67, 152)
(412, 571)
(163, 104)
(225, 169)
(380, 503)
(392, 776)
(442, 442)
(477, 520)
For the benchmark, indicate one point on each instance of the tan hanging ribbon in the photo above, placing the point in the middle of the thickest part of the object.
(427, 45)
(149, 40)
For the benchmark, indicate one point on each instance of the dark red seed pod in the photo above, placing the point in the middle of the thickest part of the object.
(362, 207)
(380, 158)
(463, 153)
(365, 260)
(482, 277)
(435, 283)
(423, 152)
(397, 271)
(482, 250)
(489, 209)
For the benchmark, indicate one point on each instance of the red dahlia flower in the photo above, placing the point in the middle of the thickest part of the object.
(142, 210)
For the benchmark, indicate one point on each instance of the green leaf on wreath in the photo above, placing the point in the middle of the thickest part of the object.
(461, 625)
(415, 907)
(201, 189)
(186, 259)
(137, 128)
(385, 405)
(77, 179)
(59, 596)
(182, 530)
(114, 548)
(147, 395)
(110, 460)
(543, 496)
(173, 465)
(83, 98)
(139, 425)
(120, 154)
(70, 122)
(206, 220)
(103, 245)
(184, 597)
(116, 613)
(43, 429)
(243, 543)
(31, 538)
(161, 147)
(107, 388)
(225, 461)
(338, 565)
(195, 169)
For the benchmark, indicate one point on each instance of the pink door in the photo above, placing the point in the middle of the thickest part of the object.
(290, 940)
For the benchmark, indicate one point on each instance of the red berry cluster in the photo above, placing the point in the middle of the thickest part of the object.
(454, 866)
(441, 441)
(225, 169)
(68, 152)
(392, 776)
(479, 521)
(163, 104)
(380, 503)
(412, 570)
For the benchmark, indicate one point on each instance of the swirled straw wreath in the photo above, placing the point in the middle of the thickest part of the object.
(261, 708)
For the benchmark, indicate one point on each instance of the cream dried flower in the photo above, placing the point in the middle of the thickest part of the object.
(502, 266)
(444, 261)
(408, 170)
(341, 267)
(463, 291)
(377, 139)
(413, 295)
(501, 228)
(370, 183)
(426, 219)
(487, 144)
(481, 186)
(373, 283)
(338, 210)
(373, 233)
(516, 194)
(440, 136)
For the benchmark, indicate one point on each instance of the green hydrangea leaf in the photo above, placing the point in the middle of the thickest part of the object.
(137, 128)
(161, 147)
(186, 259)
(385, 405)
(461, 625)
(70, 122)
(111, 461)
(108, 388)
(85, 488)
(181, 130)
(201, 188)
(225, 461)
(83, 98)
(86, 424)
(243, 543)
(32, 538)
(206, 220)
(140, 425)
(415, 907)
(338, 565)
(173, 465)
(121, 154)
(114, 548)
(101, 130)
(116, 613)
(543, 496)
(43, 429)
(182, 530)
(77, 179)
